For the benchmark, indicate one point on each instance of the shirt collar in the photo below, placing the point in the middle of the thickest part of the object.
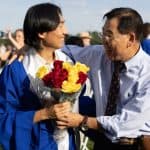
(135, 60)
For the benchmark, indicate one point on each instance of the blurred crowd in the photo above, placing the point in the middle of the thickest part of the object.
(14, 44)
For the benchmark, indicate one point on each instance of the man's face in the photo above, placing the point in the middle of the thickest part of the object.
(114, 42)
(56, 38)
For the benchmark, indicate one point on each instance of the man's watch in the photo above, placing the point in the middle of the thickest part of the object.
(83, 125)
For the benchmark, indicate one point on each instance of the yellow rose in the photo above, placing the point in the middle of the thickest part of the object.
(82, 67)
(67, 66)
(73, 75)
(42, 71)
(69, 87)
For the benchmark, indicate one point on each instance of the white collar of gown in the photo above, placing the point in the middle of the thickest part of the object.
(32, 61)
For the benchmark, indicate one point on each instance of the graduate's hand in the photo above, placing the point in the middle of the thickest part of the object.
(57, 111)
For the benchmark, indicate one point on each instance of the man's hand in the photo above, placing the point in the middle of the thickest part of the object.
(69, 120)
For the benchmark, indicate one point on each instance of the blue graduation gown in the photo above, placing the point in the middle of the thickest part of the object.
(17, 107)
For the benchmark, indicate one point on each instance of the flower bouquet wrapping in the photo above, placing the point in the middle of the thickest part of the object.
(62, 83)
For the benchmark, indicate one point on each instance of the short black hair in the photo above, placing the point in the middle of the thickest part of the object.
(40, 18)
(129, 20)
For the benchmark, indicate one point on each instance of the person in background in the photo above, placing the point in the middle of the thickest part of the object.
(18, 39)
(86, 38)
(2, 56)
(74, 40)
(146, 37)
(120, 77)
(6, 52)
(25, 122)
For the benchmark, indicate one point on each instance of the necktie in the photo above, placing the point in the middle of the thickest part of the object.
(114, 89)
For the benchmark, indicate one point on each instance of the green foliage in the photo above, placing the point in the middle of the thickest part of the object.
(96, 38)
(4, 41)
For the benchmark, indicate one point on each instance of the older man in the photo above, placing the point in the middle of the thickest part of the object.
(121, 81)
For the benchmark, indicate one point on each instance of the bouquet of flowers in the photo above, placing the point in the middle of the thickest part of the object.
(63, 82)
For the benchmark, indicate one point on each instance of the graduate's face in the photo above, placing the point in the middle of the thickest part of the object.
(55, 39)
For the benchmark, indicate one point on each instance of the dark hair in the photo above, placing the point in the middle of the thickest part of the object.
(129, 21)
(74, 40)
(40, 18)
(146, 29)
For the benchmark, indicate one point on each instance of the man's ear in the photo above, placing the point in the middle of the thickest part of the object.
(132, 39)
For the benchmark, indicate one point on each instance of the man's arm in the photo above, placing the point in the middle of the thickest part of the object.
(84, 54)
(75, 120)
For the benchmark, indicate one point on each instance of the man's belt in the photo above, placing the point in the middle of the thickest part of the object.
(143, 141)
(128, 141)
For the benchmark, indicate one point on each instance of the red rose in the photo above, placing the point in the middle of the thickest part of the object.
(82, 78)
(55, 78)
(58, 64)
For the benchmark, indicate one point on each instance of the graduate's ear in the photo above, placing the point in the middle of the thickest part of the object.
(42, 35)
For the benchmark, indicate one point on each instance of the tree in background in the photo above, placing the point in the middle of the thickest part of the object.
(96, 37)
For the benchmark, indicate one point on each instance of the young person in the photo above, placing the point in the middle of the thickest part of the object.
(25, 123)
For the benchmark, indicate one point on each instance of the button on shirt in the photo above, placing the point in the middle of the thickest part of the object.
(132, 117)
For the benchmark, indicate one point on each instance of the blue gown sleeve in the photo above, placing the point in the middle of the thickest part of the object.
(16, 113)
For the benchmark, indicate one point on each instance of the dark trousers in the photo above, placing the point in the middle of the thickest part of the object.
(103, 143)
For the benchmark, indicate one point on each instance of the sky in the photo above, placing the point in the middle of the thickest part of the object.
(80, 15)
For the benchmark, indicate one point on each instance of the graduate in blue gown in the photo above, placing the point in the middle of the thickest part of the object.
(25, 124)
